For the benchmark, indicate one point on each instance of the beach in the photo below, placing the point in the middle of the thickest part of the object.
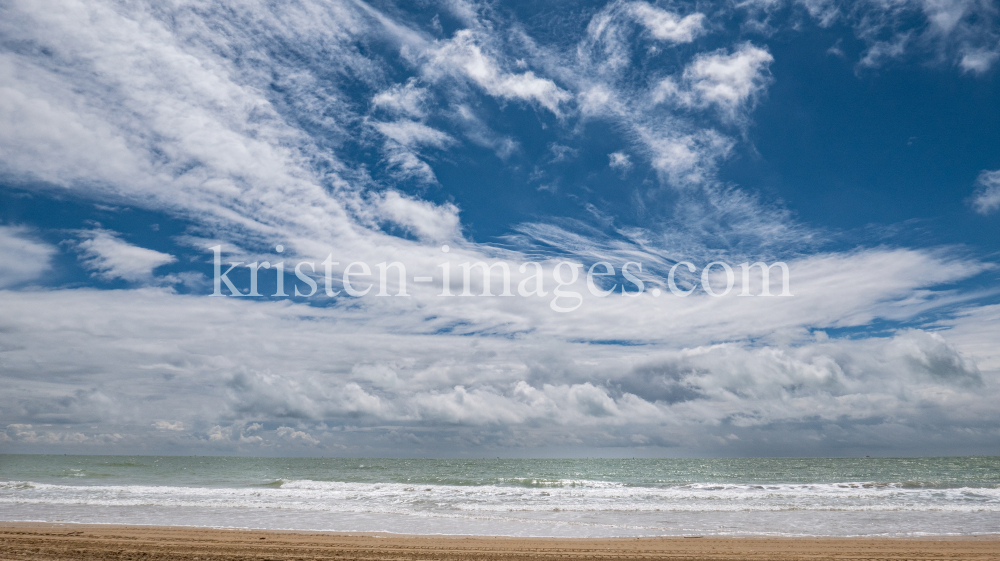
(92, 542)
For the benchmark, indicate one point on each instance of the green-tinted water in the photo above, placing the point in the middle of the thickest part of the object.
(788, 496)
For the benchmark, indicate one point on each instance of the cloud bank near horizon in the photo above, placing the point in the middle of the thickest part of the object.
(337, 128)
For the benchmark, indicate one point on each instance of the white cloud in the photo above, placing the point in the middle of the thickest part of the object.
(682, 148)
(138, 111)
(406, 164)
(972, 330)
(562, 153)
(23, 258)
(619, 161)
(405, 138)
(219, 433)
(168, 425)
(426, 220)
(24, 433)
(729, 82)
(49, 139)
(463, 55)
(597, 101)
(962, 32)
(407, 99)
(986, 199)
(142, 104)
(289, 433)
(414, 134)
(980, 60)
(383, 372)
(880, 51)
(667, 26)
(684, 160)
(479, 133)
(826, 11)
(609, 30)
(110, 257)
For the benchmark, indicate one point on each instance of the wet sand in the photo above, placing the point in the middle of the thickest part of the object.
(92, 542)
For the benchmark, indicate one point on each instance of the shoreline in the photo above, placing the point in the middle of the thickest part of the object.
(52, 540)
(41, 525)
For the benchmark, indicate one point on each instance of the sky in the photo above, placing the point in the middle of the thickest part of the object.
(857, 143)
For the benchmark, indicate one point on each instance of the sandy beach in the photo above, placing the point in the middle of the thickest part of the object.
(86, 542)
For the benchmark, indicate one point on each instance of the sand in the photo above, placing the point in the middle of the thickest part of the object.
(88, 542)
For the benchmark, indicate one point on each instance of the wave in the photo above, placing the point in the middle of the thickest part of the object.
(276, 484)
(575, 496)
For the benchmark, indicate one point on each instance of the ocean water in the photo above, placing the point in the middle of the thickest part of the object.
(570, 498)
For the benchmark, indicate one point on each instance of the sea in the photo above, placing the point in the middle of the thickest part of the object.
(514, 497)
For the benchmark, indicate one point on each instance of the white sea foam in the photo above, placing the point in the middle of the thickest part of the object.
(790, 497)
(578, 496)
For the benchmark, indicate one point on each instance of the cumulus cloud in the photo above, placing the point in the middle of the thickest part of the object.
(463, 55)
(970, 330)
(979, 61)
(986, 199)
(22, 433)
(292, 434)
(686, 160)
(619, 161)
(743, 366)
(24, 258)
(667, 26)
(219, 433)
(681, 147)
(250, 152)
(608, 31)
(187, 110)
(729, 82)
(110, 257)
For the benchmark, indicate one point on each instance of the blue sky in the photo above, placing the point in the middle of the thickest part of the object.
(856, 142)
